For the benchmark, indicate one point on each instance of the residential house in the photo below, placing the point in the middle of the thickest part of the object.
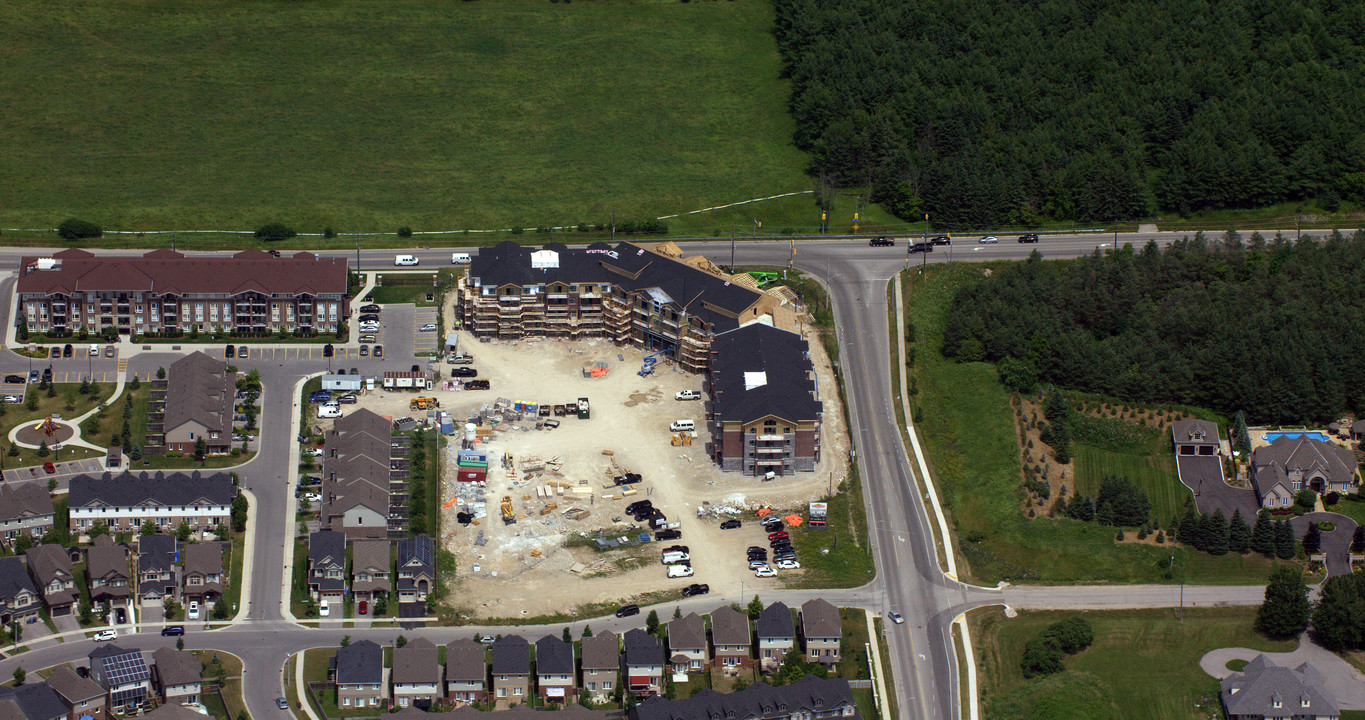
(169, 293)
(765, 413)
(643, 659)
(200, 393)
(35, 701)
(1266, 691)
(106, 572)
(511, 670)
(776, 635)
(822, 631)
(123, 674)
(1358, 430)
(176, 675)
(416, 674)
(555, 671)
(731, 643)
(174, 711)
(466, 673)
(24, 510)
(327, 566)
(601, 666)
(1290, 464)
(124, 502)
(364, 478)
(416, 574)
(203, 574)
(687, 644)
(158, 578)
(370, 569)
(1194, 437)
(82, 696)
(521, 712)
(809, 698)
(51, 569)
(19, 598)
(362, 680)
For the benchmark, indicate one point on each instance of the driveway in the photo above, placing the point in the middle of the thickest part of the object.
(1338, 676)
(1336, 544)
(1203, 475)
(67, 623)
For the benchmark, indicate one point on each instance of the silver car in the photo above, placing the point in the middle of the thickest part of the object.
(989, 240)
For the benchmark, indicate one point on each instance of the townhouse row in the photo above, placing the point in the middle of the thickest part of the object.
(512, 670)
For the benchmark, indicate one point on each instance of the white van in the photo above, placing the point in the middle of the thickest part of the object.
(460, 259)
(674, 557)
(682, 426)
(679, 571)
(405, 260)
(329, 411)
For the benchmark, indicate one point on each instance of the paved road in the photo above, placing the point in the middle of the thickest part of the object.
(909, 579)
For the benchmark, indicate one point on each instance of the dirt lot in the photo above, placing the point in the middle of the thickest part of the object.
(630, 418)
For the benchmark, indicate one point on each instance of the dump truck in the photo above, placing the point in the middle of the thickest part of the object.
(423, 403)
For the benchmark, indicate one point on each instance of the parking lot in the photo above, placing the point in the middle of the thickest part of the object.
(65, 471)
(526, 568)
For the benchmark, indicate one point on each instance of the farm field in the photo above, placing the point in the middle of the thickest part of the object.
(367, 116)
(1135, 652)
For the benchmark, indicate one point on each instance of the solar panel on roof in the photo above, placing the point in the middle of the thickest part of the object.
(127, 668)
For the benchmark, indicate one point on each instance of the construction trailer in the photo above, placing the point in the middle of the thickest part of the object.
(404, 380)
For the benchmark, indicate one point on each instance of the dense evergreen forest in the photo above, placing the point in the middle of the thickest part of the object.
(1274, 328)
(987, 113)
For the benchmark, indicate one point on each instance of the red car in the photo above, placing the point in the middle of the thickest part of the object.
(49, 468)
(777, 536)
(364, 607)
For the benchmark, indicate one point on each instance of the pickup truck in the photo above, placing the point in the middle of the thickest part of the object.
(460, 359)
(687, 395)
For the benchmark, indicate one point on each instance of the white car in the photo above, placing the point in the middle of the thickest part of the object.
(896, 617)
(193, 611)
(312, 497)
(989, 240)
(429, 327)
(687, 395)
(95, 350)
(679, 571)
(104, 635)
(369, 327)
(324, 608)
(789, 564)
(765, 572)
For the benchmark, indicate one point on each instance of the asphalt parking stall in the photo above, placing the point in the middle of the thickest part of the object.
(65, 471)
(424, 342)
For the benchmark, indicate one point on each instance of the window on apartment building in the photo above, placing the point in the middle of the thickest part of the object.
(606, 684)
(516, 691)
(502, 692)
(345, 702)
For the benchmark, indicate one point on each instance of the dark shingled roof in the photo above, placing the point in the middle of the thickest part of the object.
(602, 652)
(37, 700)
(819, 619)
(1186, 431)
(775, 622)
(14, 578)
(164, 271)
(326, 547)
(23, 501)
(511, 656)
(1306, 454)
(177, 667)
(155, 552)
(105, 558)
(128, 489)
(1254, 691)
(807, 695)
(360, 662)
(729, 626)
(787, 390)
(199, 389)
(520, 712)
(633, 268)
(416, 663)
(553, 656)
(687, 633)
(641, 648)
(465, 662)
(74, 688)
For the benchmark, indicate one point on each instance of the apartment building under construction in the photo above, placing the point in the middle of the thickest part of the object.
(648, 297)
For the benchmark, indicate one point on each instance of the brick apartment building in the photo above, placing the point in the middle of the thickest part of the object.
(164, 290)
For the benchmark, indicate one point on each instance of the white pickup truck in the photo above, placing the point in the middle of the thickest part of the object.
(687, 395)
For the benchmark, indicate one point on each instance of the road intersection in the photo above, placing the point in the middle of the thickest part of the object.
(910, 579)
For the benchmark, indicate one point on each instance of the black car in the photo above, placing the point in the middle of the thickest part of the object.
(14, 378)
(772, 526)
(636, 506)
(465, 371)
(371, 308)
(274, 253)
(347, 399)
(230, 351)
(696, 589)
(628, 479)
(756, 549)
(781, 545)
(328, 350)
(921, 247)
(678, 548)
(1029, 238)
(881, 242)
(33, 376)
(369, 318)
(760, 555)
(121, 616)
(627, 611)
(941, 240)
(417, 368)
(476, 385)
(173, 630)
(242, 351)
(731, 525)
(379, 351)
(66, 350)
(668, 535)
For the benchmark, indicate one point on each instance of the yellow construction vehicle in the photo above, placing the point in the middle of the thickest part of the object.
(508, 515)
(423, 403)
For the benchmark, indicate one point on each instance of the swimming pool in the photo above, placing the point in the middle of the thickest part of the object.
(1273, 436)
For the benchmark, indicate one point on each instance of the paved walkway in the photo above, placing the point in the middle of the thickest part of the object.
(75, 423)
(1340, 677)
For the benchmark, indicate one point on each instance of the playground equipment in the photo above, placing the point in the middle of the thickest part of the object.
(48, 426)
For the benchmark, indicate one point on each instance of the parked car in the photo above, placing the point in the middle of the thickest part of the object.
(320, 396)
(56, 352)
(367, 338)
(49, 468)
(765, 572)
(429, 327)
(476, 385)
(121, 616)
(109, 350)
(881, 242)
(33, 376)
(105, 635)
(243, 352)
(989, 240)
(94, 349)
(371, 317)
(731, 525)
(312, 497)
(696, 589)
(348, 399)
(680, 570)
(324, 608)
(678, 548)
(370, 308)
(172, 630)
(365, 351)
(463, 372)
(668, 535)
(629, 478)
(363, 608)
(1028, 238)
(66, 350)
(14, 399)
(368, 327)
(230, 352)
(772, 525)
(786, 564)
(779, 535)
(329, 411)
(687, 395)
(756, 563)
(378, 351)
(627, 611)
(14, 378)
(192, 612)
(274, 253)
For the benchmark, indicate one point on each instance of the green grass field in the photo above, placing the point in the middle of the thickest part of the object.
(1154, 473)
(1144, 664)
(368, 116)
(969, 435)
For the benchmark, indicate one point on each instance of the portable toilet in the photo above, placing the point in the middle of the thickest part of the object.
(583, 409)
